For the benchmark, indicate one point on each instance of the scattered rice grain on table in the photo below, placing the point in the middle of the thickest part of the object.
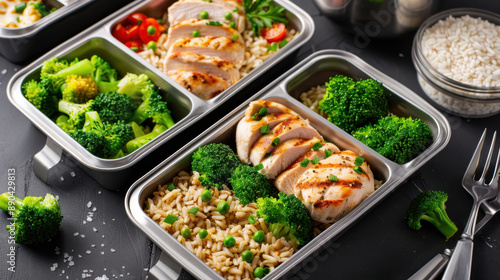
(211, 250)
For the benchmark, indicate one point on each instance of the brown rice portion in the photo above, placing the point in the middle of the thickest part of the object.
(225, 261)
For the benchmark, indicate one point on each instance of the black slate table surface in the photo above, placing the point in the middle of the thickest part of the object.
(96, 237)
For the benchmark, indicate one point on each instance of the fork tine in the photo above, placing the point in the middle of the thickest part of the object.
(496, 172)
(488, 159)
(474, 161)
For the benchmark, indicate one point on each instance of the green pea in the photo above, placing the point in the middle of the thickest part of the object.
(232, 24)
(258, 272)
(228, 16)
(186, 232)
(206, 195)
(196, 33)
(171, 187)
(152, 45)
(259, 236)
(203, 233)
(151, 30)
(229, 241)
(247, 256)
(203, 14)
(223, 207)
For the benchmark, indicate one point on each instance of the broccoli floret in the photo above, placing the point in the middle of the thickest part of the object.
(37, 219)
(350, 104)
(79, 89)
(103, 71)
(133, 85)
(53, 66)
(138, 131)
(113, 107)
(154, 108)
(76, 112)
(397, 138)
(249, 185)
(430, 206)
(104, 75)
(62, 122)
(286, 216)
(57, 79)
(215, 162)
(103, 140)
(140, 141)
(38, 94)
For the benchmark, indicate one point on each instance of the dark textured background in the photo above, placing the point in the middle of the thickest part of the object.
(380, 246)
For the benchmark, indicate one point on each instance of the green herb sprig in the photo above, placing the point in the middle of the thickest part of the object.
(262, 13)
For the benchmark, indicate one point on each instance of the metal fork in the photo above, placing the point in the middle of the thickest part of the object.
(436, 265)
(459, 266)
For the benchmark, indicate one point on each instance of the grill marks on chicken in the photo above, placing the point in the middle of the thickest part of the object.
(206, 63)
(328, 185)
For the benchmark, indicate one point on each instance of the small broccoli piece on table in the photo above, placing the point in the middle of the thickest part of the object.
(350, 104)
(153, 107)
(215, 163)
(286, 217)
(76, 112)
(140, 141)
(430, 206)
(113, 107)
(133, 85)
(79, 89)
(37, 219)
(38, 94)
(249, 185)
(397, 138)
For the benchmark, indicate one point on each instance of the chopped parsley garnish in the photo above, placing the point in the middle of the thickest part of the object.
(214, 23)
(170, 219)
(262, 13)
(328, 153)
(304, 162)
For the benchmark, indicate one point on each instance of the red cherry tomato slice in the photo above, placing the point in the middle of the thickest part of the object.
(120, 33)
(149, 30)
(275, 33)
(136, 46)
(133, 33)
(136, 18)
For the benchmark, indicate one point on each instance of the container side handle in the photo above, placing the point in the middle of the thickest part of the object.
(168, 269)
(46, 158)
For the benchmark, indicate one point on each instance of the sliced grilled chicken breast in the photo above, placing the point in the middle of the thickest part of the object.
(272, 107)
(222, 47)
(286, 181)
(285, 154)
(185, 30)
(248, 131)
(182, 11)
(210, 65)
(329, 200)
(295, 127)
(204, 85)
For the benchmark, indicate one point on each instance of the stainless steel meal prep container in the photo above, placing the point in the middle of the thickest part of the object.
(20, 44)
(313, 71)
(185, 106)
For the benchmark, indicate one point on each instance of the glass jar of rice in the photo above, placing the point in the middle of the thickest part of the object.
(457, 57)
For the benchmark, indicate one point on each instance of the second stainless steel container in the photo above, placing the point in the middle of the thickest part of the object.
(313, 71)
